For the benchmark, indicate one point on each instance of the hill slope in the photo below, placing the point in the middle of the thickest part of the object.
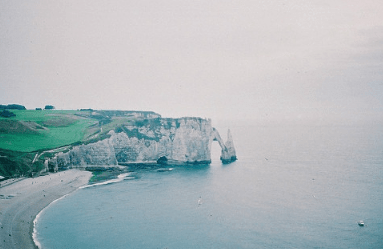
(25, 137)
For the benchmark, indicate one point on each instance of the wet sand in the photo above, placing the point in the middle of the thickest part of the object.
(21, 201)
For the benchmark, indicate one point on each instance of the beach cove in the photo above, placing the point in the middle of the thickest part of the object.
(297, 187)
(22, 201)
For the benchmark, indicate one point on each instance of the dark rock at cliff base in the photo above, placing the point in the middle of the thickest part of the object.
(227, 161)
(162, 160)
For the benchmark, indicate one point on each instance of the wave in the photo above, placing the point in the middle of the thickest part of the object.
(120, 178)
(34, 233)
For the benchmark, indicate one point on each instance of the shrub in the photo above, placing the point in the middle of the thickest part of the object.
(7, 114)
(49, 107)
(12, 107)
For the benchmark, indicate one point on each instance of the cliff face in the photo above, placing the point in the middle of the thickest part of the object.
(158, 140)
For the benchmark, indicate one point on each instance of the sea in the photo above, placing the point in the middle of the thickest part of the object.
(293, 186)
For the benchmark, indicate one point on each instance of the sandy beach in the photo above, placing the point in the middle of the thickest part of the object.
(22, 200)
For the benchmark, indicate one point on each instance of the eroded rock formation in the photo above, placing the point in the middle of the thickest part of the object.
(228, 152)
(158, 140)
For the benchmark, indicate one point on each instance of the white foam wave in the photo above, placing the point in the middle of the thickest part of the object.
(119, 178)
(34, 234)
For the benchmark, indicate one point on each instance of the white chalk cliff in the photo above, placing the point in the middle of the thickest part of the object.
(157, 140)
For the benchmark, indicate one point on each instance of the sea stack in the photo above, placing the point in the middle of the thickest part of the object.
(228, 154)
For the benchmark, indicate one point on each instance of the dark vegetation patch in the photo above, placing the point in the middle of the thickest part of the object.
(168, 122)
(16, 164)
(7, 114)
(12, 107)
(154, 125)
(49, 107)
(100, 137)
(135, 133)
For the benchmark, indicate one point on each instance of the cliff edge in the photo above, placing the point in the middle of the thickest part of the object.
(157, 140)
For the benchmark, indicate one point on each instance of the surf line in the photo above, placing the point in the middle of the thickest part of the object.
(34, 233)
(119, 178)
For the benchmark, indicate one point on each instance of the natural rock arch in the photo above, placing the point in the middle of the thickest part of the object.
(228, 153)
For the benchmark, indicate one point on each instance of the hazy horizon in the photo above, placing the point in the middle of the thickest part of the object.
(319, 61)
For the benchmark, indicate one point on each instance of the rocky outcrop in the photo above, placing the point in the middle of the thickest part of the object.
(228, 154)
(228, 151)
(157, 140)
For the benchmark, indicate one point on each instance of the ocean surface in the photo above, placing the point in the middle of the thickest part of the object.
(294, 186)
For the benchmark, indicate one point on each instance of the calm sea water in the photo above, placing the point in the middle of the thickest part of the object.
(292, 187)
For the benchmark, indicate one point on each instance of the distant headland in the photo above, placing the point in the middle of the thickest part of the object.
(42, 140)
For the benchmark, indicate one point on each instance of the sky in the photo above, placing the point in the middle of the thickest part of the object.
(262, 60)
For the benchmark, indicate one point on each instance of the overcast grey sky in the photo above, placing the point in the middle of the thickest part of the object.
(248, 59)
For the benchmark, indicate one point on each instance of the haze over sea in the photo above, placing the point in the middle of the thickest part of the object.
(294, 186)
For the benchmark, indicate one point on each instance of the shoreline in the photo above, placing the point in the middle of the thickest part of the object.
(21, 203)
(33, 232)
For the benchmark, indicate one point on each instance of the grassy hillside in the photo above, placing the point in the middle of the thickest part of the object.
(34, 130)
(25, 138)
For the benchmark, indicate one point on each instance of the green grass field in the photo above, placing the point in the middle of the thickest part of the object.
(56, 128)
(34, 133)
